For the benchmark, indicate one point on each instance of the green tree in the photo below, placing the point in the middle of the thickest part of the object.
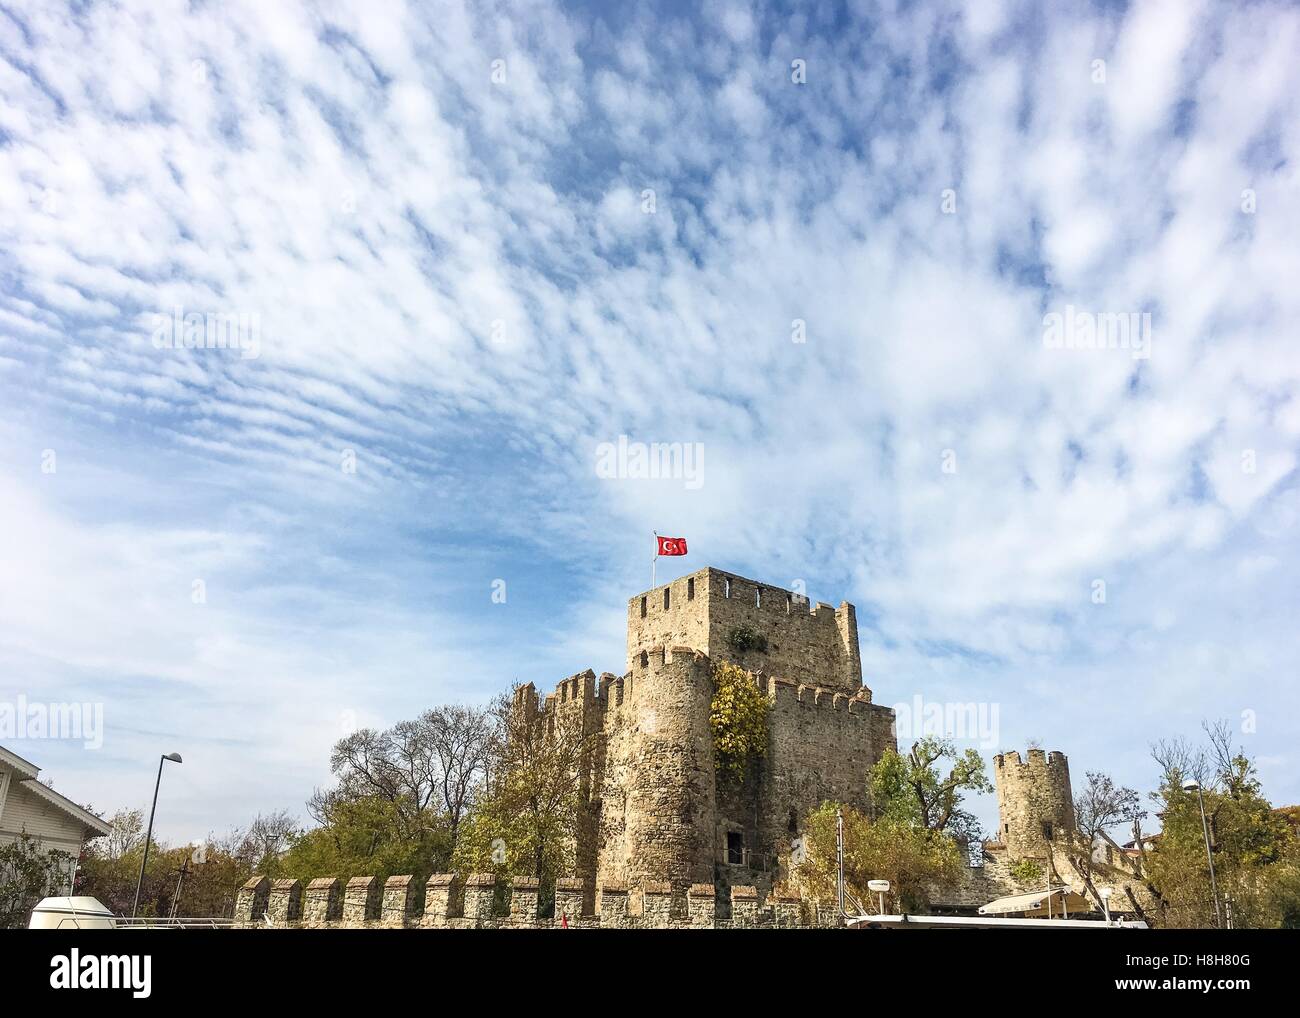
(910, 857)
(527, 819)
(198, 880)
(1253, 846)
(367, 835)
(912, 790)
(738, 716)
(28, 873)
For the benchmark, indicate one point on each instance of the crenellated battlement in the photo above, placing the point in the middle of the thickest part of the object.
(474, 901)
(803, 642)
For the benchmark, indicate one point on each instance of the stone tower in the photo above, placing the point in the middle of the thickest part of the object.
(805, 644)
(656, 811)
(1035, 804)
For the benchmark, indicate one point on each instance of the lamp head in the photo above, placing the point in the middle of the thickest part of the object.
(1190, 785)
(173, 757)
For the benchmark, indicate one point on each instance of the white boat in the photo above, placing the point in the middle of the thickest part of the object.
(84, 913)
(75, 913)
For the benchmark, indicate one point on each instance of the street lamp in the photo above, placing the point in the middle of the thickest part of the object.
(1105, 893)
(174, 758)
(1194, 786)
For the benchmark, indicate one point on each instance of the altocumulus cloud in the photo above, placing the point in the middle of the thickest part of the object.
(482, 241)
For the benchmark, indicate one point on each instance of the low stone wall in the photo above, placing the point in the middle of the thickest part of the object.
(452, 902)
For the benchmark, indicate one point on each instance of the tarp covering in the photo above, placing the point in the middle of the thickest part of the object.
(1035, 903)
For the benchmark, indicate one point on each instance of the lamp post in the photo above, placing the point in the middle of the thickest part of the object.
(1105, 893)
(1194, 786)
(839, 859)
(174, 758)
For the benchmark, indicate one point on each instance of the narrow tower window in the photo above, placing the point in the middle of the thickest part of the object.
(758, 597)
(726, 587)
(643, 607)
(690, 589)
(665, 598)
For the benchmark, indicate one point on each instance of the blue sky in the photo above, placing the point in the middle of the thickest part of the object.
(480, 242)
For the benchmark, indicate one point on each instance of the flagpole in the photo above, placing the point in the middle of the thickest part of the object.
(655, 560)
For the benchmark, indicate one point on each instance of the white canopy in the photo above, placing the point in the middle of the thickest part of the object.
(1063, 900)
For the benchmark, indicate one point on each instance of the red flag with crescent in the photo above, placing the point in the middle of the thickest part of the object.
(671, 545)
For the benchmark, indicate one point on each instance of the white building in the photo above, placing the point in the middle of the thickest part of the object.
(29, 807)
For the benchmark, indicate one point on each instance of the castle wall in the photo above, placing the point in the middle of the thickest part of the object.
(479, 901)
(822, 746)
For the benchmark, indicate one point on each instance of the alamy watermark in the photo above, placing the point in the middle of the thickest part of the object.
(627, 460)
(240, 331)
(976, 721)
(21, 719)
(1104, 330)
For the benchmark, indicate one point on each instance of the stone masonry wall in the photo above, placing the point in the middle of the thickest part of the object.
(811, 645)
(654, 812)
(655, 908)
(1032, 794)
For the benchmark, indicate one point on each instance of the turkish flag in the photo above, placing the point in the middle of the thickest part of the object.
(671, 545)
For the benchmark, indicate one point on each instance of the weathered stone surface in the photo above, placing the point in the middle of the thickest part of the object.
(361, 900)
(656, 903)
(323, 901)
(523, 899)
(480, 892)
(251, 900)
(440, 899)
(744, 906)
(1035, 804)
(569, 895)
(701, 904)
(284, 904)
(398, 901)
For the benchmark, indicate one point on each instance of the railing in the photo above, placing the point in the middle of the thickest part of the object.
(160, 922)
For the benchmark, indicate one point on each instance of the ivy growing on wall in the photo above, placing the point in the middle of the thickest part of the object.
(1027, 872)
(739, 718)
(743, 638)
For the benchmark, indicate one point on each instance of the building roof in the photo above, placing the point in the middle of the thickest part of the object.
(27, 773)
(24, 767)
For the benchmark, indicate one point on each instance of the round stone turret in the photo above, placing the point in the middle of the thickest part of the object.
(1035, 804)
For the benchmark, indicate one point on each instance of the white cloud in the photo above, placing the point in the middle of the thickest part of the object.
(456, 281)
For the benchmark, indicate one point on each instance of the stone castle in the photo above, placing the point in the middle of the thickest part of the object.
(656, 809)
(660, 828)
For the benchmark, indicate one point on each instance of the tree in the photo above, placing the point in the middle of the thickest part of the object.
(426, 772)
(267, 838)
(912, 858)
(738, 716)
(1098, 807)
(918, 834)
(1253, 846)
(527, 819)
(913, 790)
(28, 873)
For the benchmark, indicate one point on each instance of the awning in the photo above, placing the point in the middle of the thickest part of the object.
(1062, 899)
